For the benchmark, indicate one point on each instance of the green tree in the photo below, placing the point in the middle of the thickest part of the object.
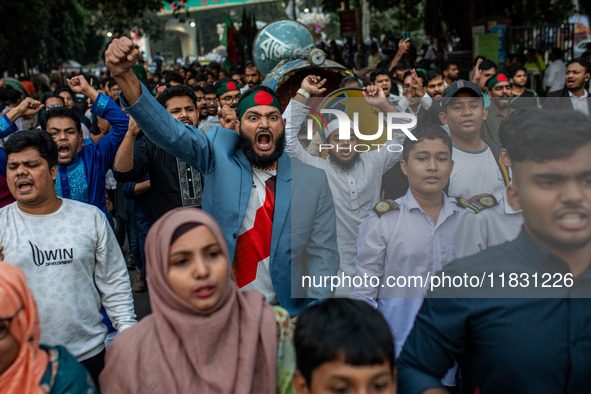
(42, 33)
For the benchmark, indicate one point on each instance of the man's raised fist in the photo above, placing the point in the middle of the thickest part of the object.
(121, 55)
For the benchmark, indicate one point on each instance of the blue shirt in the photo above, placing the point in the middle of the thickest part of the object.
(85, 180)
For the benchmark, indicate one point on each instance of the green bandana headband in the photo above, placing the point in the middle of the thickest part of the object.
(492, 81)
(260, 98)
(226, 87)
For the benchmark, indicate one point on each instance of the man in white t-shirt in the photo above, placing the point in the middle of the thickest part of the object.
(67, 250)
(477, 169)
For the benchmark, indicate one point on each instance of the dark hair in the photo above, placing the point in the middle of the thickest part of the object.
(54, 96)
(487, 64)
(582, 61)
(64, 89)
(512, 124)
(378, 71)
(37, 139)
(341, 328)
(12, 95)
(432, 74)
(175, 91)
(403, 64)
(556, 52)
(174, 77)
(61, 112)
(550, 135)
(197, 88)
(447, 64)
(208, 89)
(426, 132)
(420, 74)
(250, 64)
(515, 70)
(110, 82)
(346, 80)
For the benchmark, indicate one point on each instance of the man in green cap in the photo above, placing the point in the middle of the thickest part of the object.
(249, 187)
(227, 92)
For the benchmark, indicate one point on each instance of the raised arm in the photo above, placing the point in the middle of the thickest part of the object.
(120, 56)
(182, 141)
(27, 107)
(124, 157)
(295, 114)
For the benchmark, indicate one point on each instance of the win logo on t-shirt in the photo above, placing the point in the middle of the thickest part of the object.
(51, 257)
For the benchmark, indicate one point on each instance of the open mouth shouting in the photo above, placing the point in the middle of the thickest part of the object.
(64, 150)
(24, 185)
(264, 141)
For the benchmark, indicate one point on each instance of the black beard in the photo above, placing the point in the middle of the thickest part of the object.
(344, 165)
(247, 146)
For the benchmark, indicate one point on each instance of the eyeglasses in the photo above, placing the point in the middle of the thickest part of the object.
(209, 99)
(230, 99)
(54, 106)
(5, 323)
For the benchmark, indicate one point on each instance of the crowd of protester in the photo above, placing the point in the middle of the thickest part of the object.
(198, 179)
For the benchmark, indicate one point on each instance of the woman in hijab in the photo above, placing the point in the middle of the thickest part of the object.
(25, 366)
(204, 335)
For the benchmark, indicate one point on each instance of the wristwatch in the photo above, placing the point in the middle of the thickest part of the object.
(303, 93)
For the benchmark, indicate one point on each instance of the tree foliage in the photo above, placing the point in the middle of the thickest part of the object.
(42, 33)
(443, 17)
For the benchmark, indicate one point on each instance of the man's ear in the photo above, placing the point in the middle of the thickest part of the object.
(513, 196)
(53, 172)
(403, 166)
(237, 126)
(284, 122)
(504, 157)
(485, 113)
(299, 383)
(443, 117)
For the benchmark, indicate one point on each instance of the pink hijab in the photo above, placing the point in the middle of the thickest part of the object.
(180, 349)
(25, 373)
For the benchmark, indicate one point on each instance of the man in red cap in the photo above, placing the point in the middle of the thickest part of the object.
(500, 92)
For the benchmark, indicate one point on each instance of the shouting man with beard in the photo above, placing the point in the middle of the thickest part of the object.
(500, 93)
(354, 178)
(248, 186)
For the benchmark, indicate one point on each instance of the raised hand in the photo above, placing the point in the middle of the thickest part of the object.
(374, 95)
(227, 117)
(403, 46)
(27, 107)
(416, 86)
(121, 55)
(133, 129)
(78, 84)
(313, 85)
(477, 73)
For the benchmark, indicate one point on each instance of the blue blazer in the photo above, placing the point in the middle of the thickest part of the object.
(304, 206)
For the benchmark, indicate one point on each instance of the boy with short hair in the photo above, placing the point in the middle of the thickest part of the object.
(343, 345)
(410, 236)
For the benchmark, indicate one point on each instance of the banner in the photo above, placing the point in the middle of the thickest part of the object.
(201, 5)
